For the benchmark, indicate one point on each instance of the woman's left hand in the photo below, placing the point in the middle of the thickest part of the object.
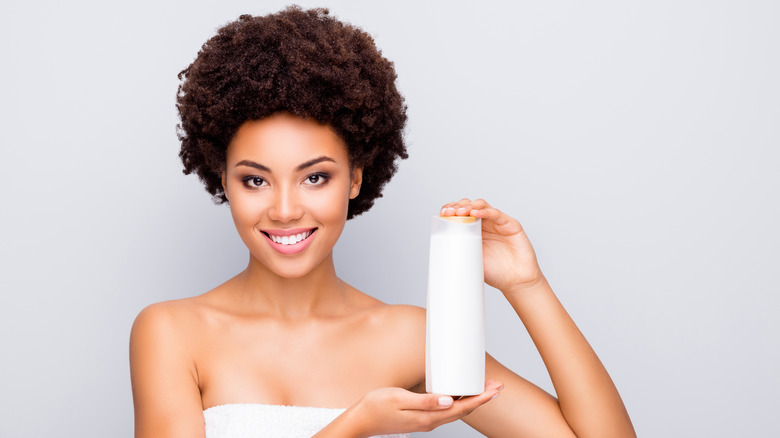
(508, 257)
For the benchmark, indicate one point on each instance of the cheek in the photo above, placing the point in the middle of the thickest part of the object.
(244, 212)
(331, 207)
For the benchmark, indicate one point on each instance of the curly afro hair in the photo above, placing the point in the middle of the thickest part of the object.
(302, 62)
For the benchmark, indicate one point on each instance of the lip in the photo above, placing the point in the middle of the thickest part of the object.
(294, 248)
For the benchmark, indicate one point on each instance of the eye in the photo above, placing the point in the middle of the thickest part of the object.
(317, 179)
(253, 181)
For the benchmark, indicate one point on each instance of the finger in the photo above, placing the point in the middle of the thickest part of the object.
(460, 408)
(467, 404)
(492, 214)
(449, 204)
(414, 401)
(463, 207)
(454, 210)
(493, 384)
(479, 204)
(462, 201)
(492, 389)
(497, 220)
(425, 402)
(449, 208)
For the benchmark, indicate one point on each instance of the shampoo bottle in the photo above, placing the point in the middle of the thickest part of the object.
(455, 326)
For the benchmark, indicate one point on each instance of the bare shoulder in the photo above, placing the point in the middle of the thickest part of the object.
(403, 315)
(385, 315)
(405, 325)
(400, 326)
(165, 332)
(399, 322)
(169, 332)
(168, 318)
(157, 315)
(163, 375)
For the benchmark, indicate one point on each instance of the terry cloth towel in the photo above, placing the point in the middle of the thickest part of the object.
(254, 420)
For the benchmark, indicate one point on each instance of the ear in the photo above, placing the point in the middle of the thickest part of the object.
(357, 180)
(224, 185)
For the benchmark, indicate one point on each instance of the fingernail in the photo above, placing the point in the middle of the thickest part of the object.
(445, 401)
(491, 398)
(443, 209)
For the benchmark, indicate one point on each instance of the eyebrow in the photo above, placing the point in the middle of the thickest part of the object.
(314, 161)
(257, 166)
(300, 167)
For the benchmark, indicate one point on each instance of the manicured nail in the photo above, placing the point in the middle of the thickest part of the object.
(491, 398)
(443, 209)
(462, 210)
(445, 401)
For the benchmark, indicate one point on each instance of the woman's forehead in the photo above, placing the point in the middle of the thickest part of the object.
(286, 139)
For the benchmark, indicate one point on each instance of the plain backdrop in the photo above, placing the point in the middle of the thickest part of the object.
(636, 141)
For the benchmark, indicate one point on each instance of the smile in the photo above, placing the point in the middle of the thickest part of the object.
(290, 242)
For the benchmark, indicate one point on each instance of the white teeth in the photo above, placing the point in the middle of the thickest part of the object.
(290, 240)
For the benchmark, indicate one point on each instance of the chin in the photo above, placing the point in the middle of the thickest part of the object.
(290, 269)
(290, 273)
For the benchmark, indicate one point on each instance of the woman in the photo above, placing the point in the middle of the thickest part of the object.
(295, 121)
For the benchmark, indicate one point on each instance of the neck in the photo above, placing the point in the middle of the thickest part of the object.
(318, 293)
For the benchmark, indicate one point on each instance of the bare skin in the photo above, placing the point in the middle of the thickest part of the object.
(288, 331)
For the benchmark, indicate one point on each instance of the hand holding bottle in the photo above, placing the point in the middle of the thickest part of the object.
(509, 259)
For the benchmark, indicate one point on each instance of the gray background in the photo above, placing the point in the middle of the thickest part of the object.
(636, 141)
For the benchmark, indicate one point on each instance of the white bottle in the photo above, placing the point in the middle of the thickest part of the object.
(455, 326)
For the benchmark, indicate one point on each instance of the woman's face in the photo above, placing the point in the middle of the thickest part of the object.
(288, 181)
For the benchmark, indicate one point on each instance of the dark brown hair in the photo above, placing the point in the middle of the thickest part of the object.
(303, 62)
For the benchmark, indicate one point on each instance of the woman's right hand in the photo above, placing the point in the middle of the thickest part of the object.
(394, 410)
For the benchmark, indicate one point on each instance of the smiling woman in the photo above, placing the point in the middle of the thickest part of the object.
(294, 120)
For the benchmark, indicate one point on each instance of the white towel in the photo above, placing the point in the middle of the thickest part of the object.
(254, 420)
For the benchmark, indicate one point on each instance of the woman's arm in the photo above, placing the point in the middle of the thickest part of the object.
(588, 403)
(164, 379)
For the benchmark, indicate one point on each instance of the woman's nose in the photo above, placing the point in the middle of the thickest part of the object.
(286, 206)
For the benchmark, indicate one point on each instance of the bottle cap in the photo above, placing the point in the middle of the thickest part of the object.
(456, 226)
(460, 219)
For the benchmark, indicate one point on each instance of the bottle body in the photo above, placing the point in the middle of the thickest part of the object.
(455, 325)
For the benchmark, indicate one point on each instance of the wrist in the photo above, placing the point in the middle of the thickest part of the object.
(346, 425)
(528, 298)
(353, 420)
(527, 287)
(357, 419)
